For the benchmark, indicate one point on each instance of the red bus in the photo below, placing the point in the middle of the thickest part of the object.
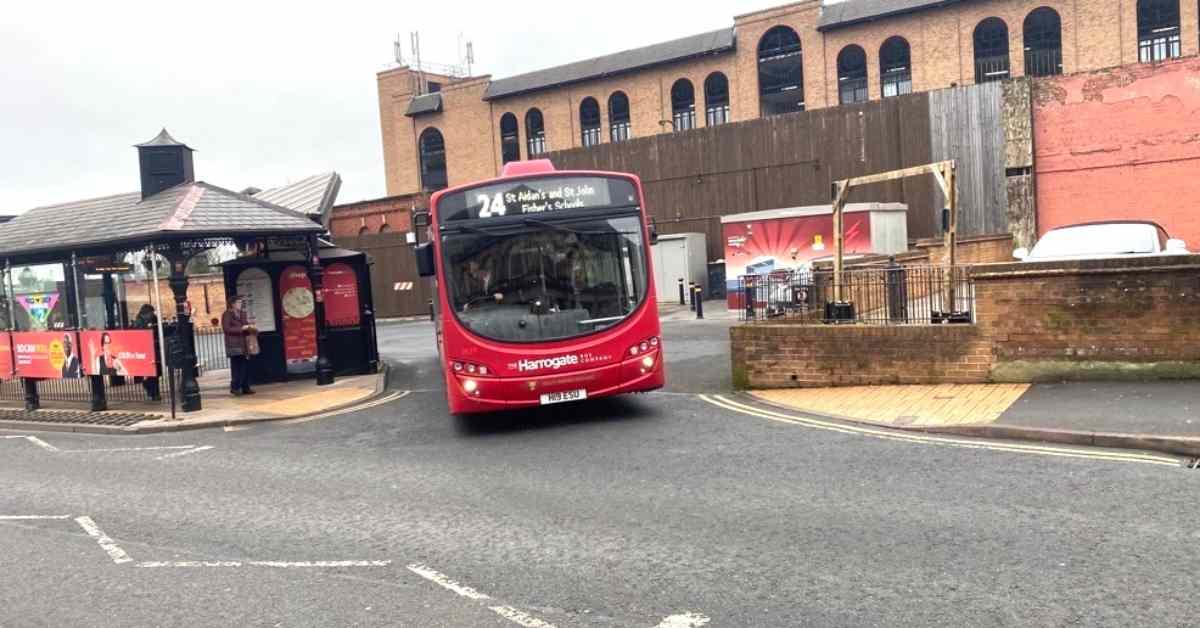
(543, 288)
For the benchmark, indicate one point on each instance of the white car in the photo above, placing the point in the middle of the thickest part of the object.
(1100, 240)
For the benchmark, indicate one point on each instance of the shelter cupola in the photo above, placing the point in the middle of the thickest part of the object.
(164, 163)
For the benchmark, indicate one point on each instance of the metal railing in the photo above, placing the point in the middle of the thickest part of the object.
(1043, 62)
(883, 295)
(992, 68)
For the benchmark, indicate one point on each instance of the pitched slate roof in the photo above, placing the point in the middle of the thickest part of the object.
(313, 195)
(425, 103)
(190, 209)
(853, 12)
(667, 52)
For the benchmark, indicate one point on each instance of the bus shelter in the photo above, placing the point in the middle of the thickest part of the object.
(65, 309)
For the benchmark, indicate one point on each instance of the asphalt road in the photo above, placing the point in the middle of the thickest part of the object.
(621, 512)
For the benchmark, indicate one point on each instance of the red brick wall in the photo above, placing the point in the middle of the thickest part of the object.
(393, 213)
(1094, 319)
(1120, 143)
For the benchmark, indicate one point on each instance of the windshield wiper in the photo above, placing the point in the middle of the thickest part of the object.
(565, 229)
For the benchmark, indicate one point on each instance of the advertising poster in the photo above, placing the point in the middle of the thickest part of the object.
(46, 354)
(255, 285)
(758, 247)
(118, 352)
(299, 320)
(7, 365)
(38, 307)
(341, 296)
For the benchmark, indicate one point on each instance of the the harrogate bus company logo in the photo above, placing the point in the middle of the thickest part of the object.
(557, 362)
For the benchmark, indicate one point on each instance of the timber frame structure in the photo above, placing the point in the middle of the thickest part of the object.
(943, 172)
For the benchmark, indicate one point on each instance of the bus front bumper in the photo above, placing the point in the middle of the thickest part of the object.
(495, 394)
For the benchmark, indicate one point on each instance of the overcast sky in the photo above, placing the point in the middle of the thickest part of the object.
(266, 92)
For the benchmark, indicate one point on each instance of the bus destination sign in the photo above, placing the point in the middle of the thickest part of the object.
(537, 196)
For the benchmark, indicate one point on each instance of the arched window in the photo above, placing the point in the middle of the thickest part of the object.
(852, 75)
(433, 160)
(535, 133)
(991, 50)
(716, 99)
(895, 67)
(364, 230)
(1043, 42)
(510, 138)
(589, 121)
(385, 228)
(780, 72)
(683, 105)
(1158, 30)
(618, 117)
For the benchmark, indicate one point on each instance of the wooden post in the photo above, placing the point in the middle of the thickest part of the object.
(951, 238)
(839, 235)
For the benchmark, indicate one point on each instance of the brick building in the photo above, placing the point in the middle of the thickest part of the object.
(391, 214)
(789, 58)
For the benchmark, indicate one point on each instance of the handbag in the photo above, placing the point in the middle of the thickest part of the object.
(252, 348)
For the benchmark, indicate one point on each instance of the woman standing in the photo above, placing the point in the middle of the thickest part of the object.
(235, 325)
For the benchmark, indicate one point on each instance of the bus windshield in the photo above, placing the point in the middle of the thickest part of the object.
(545, 277)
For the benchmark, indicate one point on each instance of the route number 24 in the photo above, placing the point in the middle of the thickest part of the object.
(489, 207)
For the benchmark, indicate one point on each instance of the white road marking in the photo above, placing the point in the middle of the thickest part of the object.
(184, 453)
(266, 563)
(515, 615)
(1065, 452)
(684, 620)
(119, 449)
(36, 441)
(364, 406)
(31, 517)
(445, 582)
(117, 554)
(519, 617)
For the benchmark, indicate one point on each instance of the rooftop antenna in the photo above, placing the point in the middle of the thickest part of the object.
(398, 50)
(415, 42)
(470, 56)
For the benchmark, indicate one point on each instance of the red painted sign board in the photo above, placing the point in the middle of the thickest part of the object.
(299, 319)
(47, 354)
(123, 352)
(341, 295)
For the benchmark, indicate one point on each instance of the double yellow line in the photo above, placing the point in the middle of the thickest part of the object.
(1041, 450)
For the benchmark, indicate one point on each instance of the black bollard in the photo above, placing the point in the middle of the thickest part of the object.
(748, 297)
(682, 299)
(99, 396)
(699, 302)
(692, 295)
(431, 315)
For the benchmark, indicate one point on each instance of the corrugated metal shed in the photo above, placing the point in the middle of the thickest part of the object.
(192, 209)
(853, 12)
(714, 42)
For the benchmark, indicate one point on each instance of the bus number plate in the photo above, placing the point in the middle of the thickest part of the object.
(564, 396)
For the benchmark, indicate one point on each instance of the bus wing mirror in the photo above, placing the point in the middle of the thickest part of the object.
(420, 219)
(653, 231)
(425, 266)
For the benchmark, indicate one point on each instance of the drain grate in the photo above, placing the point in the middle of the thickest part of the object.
(77, 417)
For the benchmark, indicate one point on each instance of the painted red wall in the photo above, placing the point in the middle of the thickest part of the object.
(1120, 143)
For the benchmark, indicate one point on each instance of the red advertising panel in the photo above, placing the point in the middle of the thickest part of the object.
(299, 320)
(47, 354)
(761, 245)
(125, 352)
(7, 366)
(341, 295)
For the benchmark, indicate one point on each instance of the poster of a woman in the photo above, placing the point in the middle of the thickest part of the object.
(105, 361)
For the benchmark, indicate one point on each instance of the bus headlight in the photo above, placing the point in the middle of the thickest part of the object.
(648, 362)
(471, 386)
